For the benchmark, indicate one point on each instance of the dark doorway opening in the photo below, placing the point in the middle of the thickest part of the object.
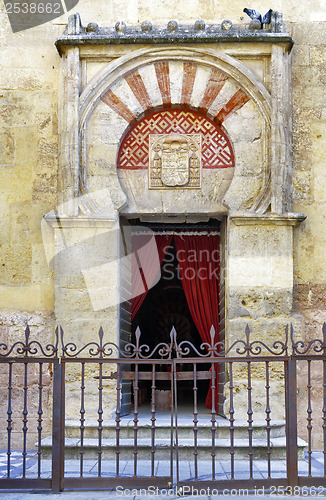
(166, 306)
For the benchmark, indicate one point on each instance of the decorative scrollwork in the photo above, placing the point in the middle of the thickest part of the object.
(318, 346)
(30, 348)
(165, 350)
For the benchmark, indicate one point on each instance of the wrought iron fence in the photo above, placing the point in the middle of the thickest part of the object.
(66, 428)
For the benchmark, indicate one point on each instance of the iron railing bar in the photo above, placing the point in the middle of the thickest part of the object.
(118, 420)
(250, 420)
(291, 421)
(153, 419)
(309, 418)
(268, 419)
(136, 391)
(306, 357)
(213, 420)
(25, 418)
(39, 421)
(116, 360)
(82, 418)
(324, 414)
(100, 419)
(9, 419)
(216, 360)
(58, 427)
(227, 359)
(232, 428)
(27, 359)
(195, 389)
(174, 422)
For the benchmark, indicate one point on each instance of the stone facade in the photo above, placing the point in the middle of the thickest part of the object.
(65, 112)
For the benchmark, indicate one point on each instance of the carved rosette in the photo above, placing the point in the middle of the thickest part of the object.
(174, 161)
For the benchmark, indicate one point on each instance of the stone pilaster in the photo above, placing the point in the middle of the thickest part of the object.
(259, 294)
(87, 296)
(68, 129)
(280, 131)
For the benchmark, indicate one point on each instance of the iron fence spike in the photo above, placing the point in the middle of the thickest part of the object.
(212, 334)
(137, 335)
(56, 333)
(27, 334)
(286, 337)
(247, 331)
(174, 344)
(62, 340)
(101, 333)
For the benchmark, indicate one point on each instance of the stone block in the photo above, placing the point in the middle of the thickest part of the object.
(319, 155)
(7, 148)
(311, 297)
(81, 331)
(250, 158)
(309, 33)
(317, 55)
(301, 186)
(40, 269)
(29, 297)
(240, 194)
(310, 96)
(16, 264)
(301, 55)
(258, 393)
(263, 329)
(258, 303)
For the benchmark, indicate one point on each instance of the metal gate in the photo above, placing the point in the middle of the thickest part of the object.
(65, 428)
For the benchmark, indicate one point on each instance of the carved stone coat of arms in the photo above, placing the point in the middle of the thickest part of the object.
(174, 161)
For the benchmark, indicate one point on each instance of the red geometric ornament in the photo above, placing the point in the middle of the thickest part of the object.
(216, 147)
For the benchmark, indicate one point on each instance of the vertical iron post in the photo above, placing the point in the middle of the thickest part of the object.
(291, 421)
(58, 426)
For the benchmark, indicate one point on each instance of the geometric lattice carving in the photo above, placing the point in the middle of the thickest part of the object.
(216, 149)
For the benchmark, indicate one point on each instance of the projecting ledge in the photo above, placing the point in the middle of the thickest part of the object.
(290, 219)
(63, 221)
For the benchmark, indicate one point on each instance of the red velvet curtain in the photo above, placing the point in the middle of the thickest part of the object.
(198, 259)
(148, 252)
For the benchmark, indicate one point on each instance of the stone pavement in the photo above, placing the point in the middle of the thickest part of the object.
(136, 495)
(162, 469)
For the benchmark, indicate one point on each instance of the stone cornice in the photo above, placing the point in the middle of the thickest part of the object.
(290, 219)
(115, 38)
(63, 221)
(77, 35)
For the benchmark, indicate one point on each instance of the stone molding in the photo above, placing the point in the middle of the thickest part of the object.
(271, 107)
(62, 221)
(268, 219)
(119, 68)
(75, 34)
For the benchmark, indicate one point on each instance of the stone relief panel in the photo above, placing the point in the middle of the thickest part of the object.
(174, 161)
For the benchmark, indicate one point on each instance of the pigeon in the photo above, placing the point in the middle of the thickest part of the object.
(254, 14)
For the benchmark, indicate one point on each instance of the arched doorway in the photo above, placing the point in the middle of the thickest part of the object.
(170, 303)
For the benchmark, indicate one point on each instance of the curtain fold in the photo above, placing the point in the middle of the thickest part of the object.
(148, 252)
(198, 259)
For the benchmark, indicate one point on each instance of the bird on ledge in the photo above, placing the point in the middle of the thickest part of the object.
(254, 14)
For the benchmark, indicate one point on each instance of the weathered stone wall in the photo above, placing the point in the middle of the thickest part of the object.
(12, 330)
(309, 182)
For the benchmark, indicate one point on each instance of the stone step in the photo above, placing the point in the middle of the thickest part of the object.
(163, 447)
(163, 429)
